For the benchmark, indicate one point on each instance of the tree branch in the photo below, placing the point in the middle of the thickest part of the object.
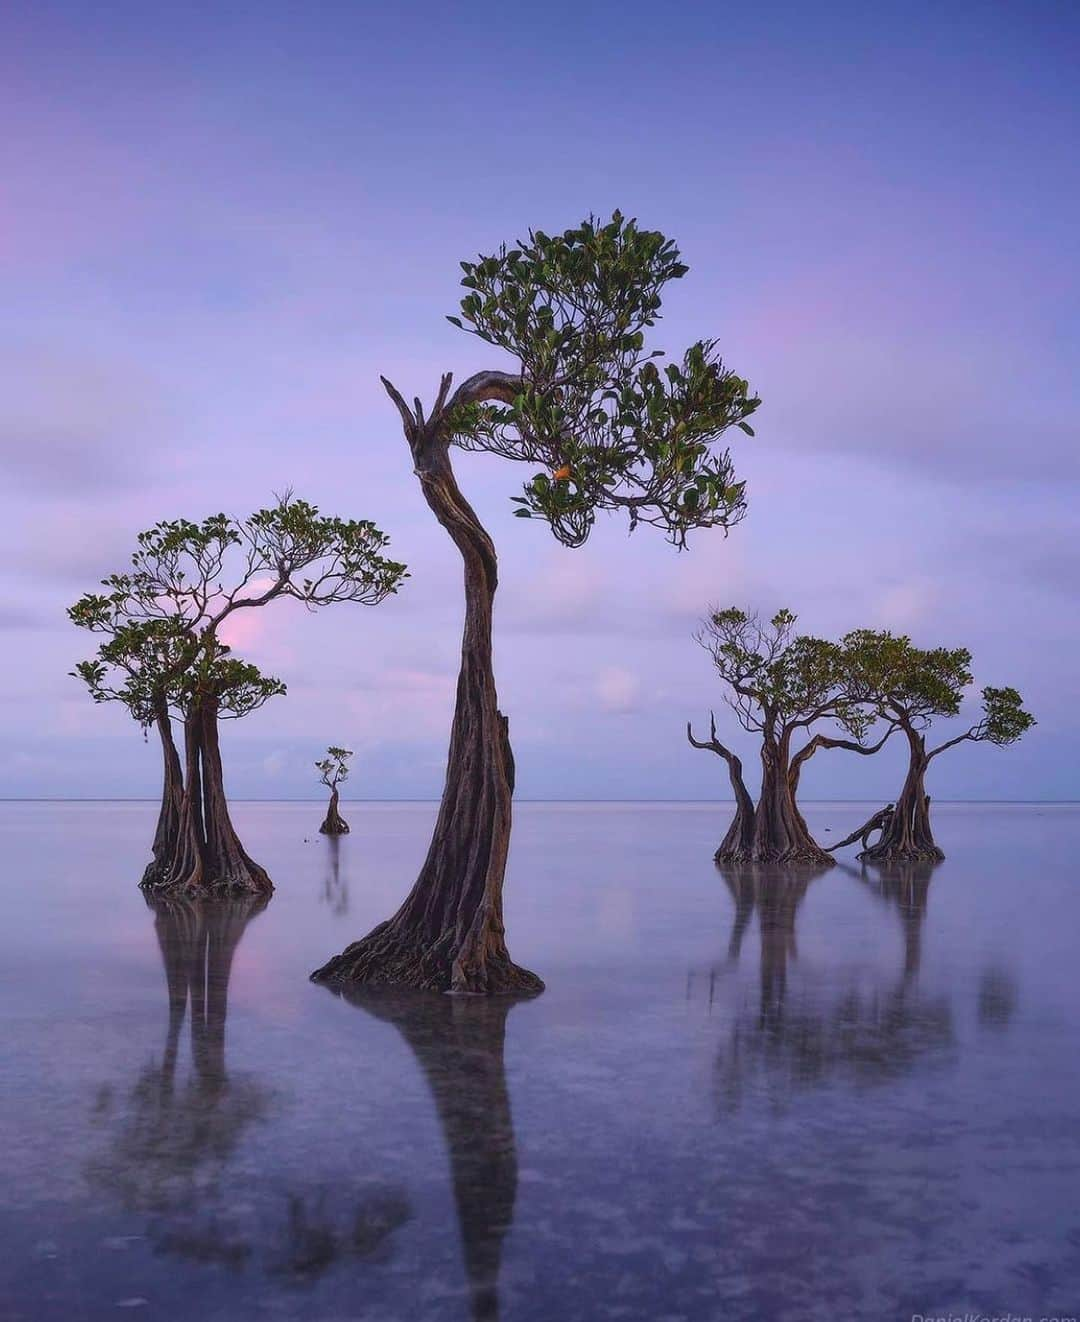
(482, 386)
(824, 741)
(974, 734)
(712, 743)
(407, 419)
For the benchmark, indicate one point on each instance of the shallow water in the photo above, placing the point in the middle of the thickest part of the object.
(842, 1096)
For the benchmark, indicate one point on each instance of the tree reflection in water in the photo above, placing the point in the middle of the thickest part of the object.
(335, 886)
(172, 1147)
(458, 1043)
(866, 1034)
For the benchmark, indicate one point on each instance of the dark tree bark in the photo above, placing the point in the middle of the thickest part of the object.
(738, 841)
(167, 834)
(228, 865)
(774, 831)
(909, 837)
(208, 857)
(880, 821)
(334, 823)
(780, 833)
(459, 1044)
(449, 934)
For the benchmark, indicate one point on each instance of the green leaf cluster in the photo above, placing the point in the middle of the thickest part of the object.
(333, 769)
(160, 618)
(779, 680)
(608, 427)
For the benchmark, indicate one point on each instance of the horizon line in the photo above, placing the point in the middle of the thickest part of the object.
(156, 799)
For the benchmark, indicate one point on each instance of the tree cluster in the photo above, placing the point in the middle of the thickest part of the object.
(606, 422)
(162, 657)
(781, 685)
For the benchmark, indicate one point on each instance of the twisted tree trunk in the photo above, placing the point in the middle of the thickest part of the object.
(334, 823)
(780, 833)
(228, 866)
(184, 871)
(167, 834)
(206, 857)
(449, 935)
(738, 841)
(909, 837)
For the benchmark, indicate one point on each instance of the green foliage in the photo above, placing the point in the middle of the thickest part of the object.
(609, 428)
(916, 686)
(150, 667)
(180, 568)
(779, 680)
(1004, 719)
(333, 768)
(160, 618)
(919, 684)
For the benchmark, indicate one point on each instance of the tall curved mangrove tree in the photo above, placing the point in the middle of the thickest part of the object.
(584, 403)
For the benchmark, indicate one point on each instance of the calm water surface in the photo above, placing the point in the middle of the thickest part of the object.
(842, 1096)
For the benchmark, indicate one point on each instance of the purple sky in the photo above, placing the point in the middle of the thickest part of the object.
(219, 224)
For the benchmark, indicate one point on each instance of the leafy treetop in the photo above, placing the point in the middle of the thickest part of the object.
(333, 768)
(160, 619)
(151, 668)
(197, 574)
(780, 681)
(609, 427)
(914, 686)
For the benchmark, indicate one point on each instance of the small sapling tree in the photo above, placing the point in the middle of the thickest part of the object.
(333, 771)
(162, 655)
(603, 427)
(912, 687)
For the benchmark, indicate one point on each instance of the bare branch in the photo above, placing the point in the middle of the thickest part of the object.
(406, 416)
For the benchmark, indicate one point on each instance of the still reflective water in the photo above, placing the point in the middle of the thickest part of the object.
(843, 1095)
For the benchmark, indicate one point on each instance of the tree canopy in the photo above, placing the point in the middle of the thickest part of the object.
(588, 403)
(605, 427)
(197, 574)
(161, 617)
(161, 654)
(333, 769)
(776, 679)
(915, 686)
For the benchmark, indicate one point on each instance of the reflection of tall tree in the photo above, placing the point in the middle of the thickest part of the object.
(458, 1042)
(871, 1035)
(172, 1141)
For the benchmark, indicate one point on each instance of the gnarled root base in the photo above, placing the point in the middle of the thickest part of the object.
(793, 856)
(336, 825)
(390, 957)
(902, 854)
(250, 881)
